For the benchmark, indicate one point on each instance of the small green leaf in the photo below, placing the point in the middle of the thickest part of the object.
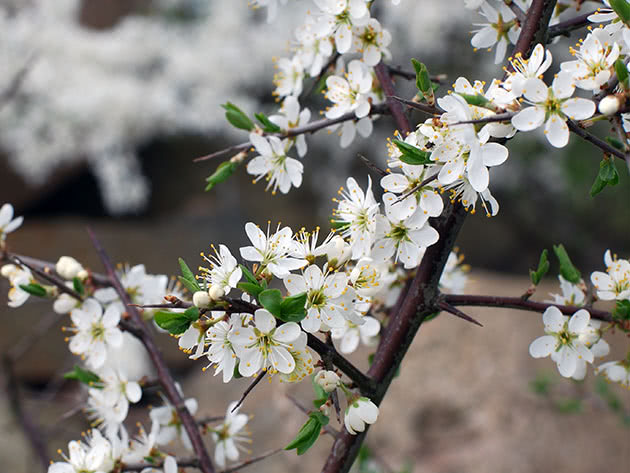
(78, 285)
(174, 322)
(237, 374)
(292, 308)
(271, 299)
(84, 376)
(188, 278)
(608, 172)
(478, 100)
(597, 186)
(411, 154)
(221, 174)
(252, 289)
(622, 9)
(622, 310)
(543, 268)
(567, 270)
(614, 142)
(268, 125)
(308, 433)
(322, 419)
(34, 289)
(237, 117)
(248, 274)
(423, 81)
(192, 313)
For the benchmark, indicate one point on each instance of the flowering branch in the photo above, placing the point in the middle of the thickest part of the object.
(379, 109)
(519, 303)
(166, 379)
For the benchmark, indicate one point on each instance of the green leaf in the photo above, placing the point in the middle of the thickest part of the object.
(622, 310)
(188, 278)
(478, 100)
(622, 9)
(423, 81)
(308, 433)
(237, 117)
(543, 268)
(192, 313)
(567, 270)
(84, 376)
(411, 154)
(271, 299)
(250, 288)
(608, 172)
(597, 186)
(614, 142)
(248, 274)
(292, 308)
(78, 285)
(221, 174)
(268, 125)
(34, 289)
(339, 224)
(175, 322)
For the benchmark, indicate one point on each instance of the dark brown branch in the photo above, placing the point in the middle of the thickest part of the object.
(164, 375)
(565, 27)
(601, 144)
(457, 313)
(326, 352)
(380, 109)
(45, 275)
(499, 117)
(518, 12)
(385, 79)
(251, 461)
(535, 27)
(428, 109)
(371, 165)
(520, 303)
(249, 389)
(181, 463)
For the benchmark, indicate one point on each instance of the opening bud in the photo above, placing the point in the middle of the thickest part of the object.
(216, 292)
(609, 105)
(328, 380)
(201, 299)
(68, 268)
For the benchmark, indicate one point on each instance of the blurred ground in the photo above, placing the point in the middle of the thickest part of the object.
(461, 404)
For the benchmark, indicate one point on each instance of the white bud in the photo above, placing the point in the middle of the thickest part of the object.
(64, 304)
(201, 299)
(328, 380)
(609, 105)
(8, 270)
(68, 268)
(83, 275)
(216, 292)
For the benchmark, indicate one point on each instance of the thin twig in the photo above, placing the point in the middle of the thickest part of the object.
(327, 428)
(379, 109)
(181, 463)
(371, 165)
(565, 27)
(457, 313)
(59, 283)
(428, 180)
(166, 379)
(250, 461)
(520, 14)
(428, 109)
(603, 145)
(519, 303)
(499, 117)
(249, 389)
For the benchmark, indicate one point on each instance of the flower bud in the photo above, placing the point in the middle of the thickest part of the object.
(328, 380)
(68, 268)
(609, 105)
(216, 292)
(338, 251)
(83, 275)
(360, 411)
(8, 270)
(201, 299)
(64, 304)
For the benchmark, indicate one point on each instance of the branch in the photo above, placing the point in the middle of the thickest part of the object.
(603, 145)
(519, 303)
(164, 375)
(428, 109)
(181, 463)
(245, 463)
(46, 275)
(565, 27)
(383, 76)
(326, 352)
(379, 109)
(518, 12)
(249, 389)
(535, 27)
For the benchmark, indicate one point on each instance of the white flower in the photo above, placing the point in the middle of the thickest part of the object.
(425, 197)
(501, 29)
(329, 299)
(328, 380)
(359, 412)
(405, 240)
(228, 435)
(201, 299)
(220, 352)
(224, 271)
(289, 78)
(571, 294)
(313, 50)
(143, 288)
(169, 466)
(615, 283)
(372, 40)
(8, 224)
(303, 361)
(357, 212)
(65, 303)
(525, 69)
(18, 277)
(116, 388)
(350, 334)
(337, 19)
(552, 106)
(455, 274)
(170, 425)
(92, 456)
(348, 130)
(463, 191)
(290, 117)
(617, 372)
(272, 252)
(265, 346)
(595, 60)
(141, 446)
(68, 268)
(274, 165)
(106, 416)
(366, 278)
(562, 340)
(350, 95)
(95, 332)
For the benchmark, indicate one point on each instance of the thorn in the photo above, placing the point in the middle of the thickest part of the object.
(457, 313)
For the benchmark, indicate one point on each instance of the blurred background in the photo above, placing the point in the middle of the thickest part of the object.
(103, 107)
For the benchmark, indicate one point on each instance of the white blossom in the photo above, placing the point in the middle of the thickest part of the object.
(92, 456)
(571, 294)
(351, 334)
(8, 224)
(614, 284)
(359, 412)
(224, 271)
(290, 117)
(616, 371)
(501, 29)
(170, 425)
(273, 164)
(229, 435)
(350, 95)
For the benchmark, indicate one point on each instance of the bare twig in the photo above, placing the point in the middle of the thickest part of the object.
(428, 109)
(249, 389)
(371, 165)
(251, 461)
(383, 76)
(166, 379)
(601, 144)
